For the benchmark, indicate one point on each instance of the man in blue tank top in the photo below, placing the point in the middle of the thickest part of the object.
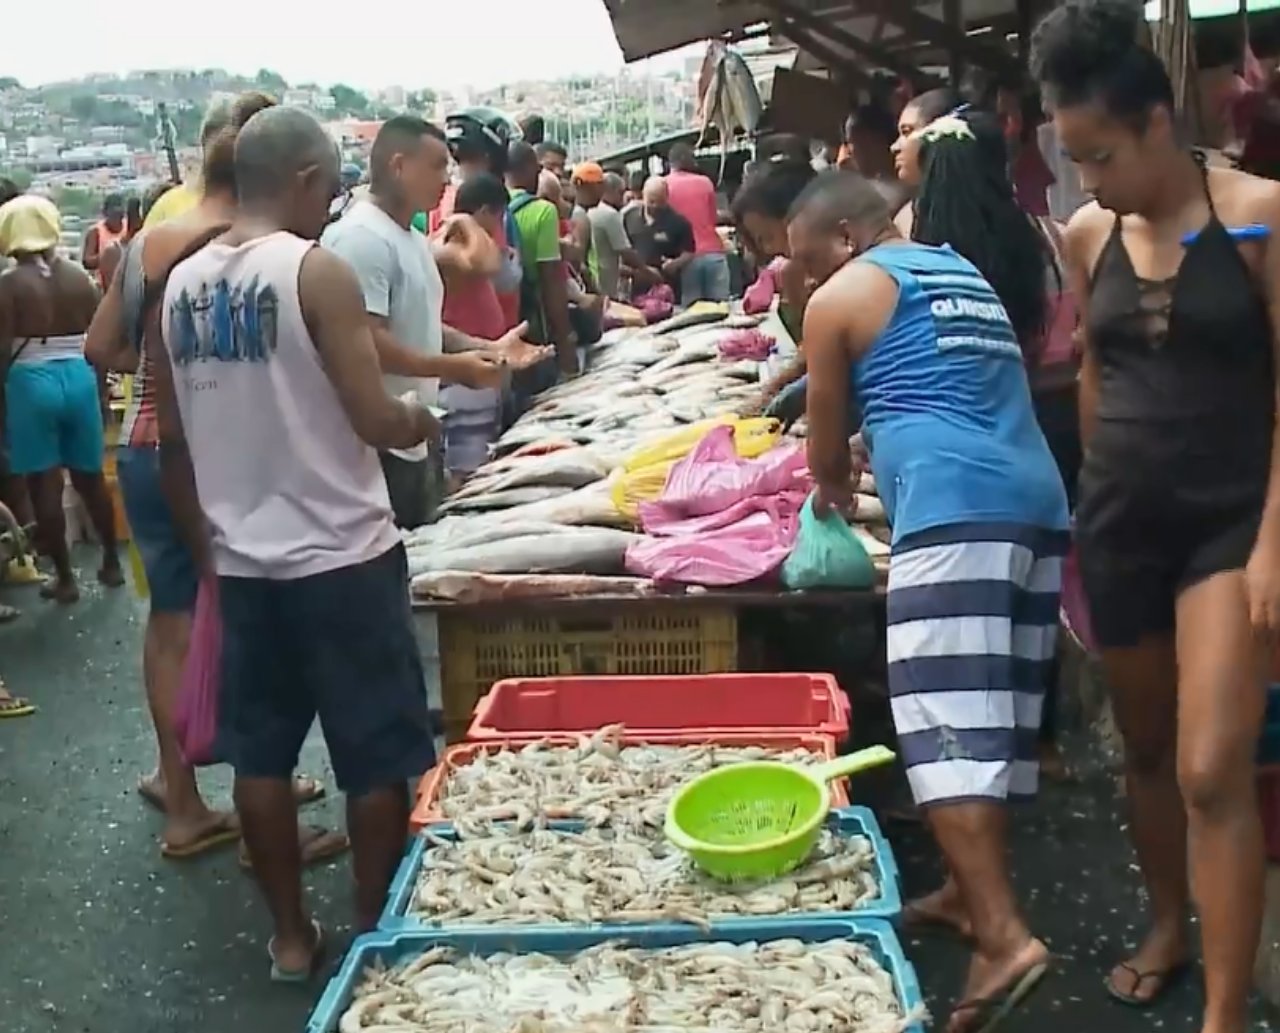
(979, 521)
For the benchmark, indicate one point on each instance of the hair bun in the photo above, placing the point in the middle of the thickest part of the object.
(1083, 37)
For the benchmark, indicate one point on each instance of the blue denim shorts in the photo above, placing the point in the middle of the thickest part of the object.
(171, 571)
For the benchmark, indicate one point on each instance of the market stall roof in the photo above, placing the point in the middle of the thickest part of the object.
(896, 36)
(647, 27)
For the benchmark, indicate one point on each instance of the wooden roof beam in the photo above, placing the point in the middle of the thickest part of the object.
(922, 26)
(838, 63)
(870, 52)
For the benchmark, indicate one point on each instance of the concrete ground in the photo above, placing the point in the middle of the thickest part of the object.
(103, 936)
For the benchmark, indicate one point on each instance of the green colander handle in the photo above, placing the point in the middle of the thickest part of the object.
(863, 760)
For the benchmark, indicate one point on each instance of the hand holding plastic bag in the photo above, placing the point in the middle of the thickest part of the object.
(827, 554)
(196, 719)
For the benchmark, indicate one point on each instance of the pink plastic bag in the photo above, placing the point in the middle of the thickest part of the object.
(752, 547)
(1075, 606)
(196, 720)
(759, 296)
(722, 520)
(712, 477)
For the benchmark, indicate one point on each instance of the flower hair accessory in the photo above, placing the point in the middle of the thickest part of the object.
(947, 125)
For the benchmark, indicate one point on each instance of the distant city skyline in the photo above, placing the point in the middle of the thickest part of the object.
(476, 44)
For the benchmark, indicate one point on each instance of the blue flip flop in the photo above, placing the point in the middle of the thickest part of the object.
(282, 975)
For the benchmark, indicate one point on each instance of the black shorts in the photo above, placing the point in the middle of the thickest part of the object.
(339, 645)
(1156, 518)
(1058, 413)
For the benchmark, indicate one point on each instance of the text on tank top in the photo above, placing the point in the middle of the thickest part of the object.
(288, 488)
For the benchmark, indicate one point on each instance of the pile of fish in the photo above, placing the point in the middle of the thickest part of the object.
(510, 876)
(598, 780)
(782, 986)
(539, 519)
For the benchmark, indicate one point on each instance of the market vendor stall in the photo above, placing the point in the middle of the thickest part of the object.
(626, 522)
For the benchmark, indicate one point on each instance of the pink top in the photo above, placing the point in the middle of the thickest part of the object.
(694, 196)
(472, 306)
(288, 488)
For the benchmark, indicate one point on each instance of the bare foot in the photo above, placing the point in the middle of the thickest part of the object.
(111, 574)
(943, 909)
(63, 591)
(1144, 978)
(996, 986)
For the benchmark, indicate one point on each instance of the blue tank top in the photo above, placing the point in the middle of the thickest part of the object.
(947, 412)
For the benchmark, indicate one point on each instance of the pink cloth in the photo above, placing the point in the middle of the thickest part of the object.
(474, 306)
(693, 195)
(443, 210)
(722, 520)
(196, 718)
(1032, 179)
(759, 296)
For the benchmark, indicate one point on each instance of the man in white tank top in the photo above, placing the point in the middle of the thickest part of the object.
(271, 409)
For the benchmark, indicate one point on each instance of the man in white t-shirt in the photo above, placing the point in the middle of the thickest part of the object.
(404, 297)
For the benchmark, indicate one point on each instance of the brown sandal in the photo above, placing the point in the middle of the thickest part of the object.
(318, 844)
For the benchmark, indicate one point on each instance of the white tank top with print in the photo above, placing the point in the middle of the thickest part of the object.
(288, 488)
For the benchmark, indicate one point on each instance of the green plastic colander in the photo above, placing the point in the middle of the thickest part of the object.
(759, 819)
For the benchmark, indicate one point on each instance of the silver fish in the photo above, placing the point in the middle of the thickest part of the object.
(502, 499)
(582, 550)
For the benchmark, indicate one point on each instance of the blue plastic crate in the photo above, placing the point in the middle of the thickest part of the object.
(848, 821)
(392, 948)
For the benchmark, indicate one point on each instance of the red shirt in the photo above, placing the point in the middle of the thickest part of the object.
(694, 196)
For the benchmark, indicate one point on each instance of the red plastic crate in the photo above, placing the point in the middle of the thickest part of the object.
(759, 704)
(427, 810)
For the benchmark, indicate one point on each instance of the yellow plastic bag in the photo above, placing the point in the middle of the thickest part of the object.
(645, 471)
(752, 436)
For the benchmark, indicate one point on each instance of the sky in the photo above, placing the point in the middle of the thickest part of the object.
(443, 44)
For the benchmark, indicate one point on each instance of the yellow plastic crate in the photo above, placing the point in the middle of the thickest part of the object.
(477, 651)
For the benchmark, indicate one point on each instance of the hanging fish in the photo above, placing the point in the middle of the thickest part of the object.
(727, 98)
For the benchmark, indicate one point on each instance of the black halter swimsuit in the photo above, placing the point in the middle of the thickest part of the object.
(1174, 479)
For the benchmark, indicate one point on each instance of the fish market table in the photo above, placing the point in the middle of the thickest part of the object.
(469, 647)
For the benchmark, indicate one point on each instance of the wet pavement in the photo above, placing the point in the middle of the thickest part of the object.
(102, 935)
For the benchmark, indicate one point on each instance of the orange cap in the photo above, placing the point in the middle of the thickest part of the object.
(588, 172)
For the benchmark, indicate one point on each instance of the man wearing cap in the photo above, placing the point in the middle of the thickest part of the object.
(588, 188)
(53, 411)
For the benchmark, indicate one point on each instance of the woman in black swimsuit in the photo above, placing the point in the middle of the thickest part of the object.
(1177, 268)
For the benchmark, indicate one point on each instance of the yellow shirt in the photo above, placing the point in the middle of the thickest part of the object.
(178, 201)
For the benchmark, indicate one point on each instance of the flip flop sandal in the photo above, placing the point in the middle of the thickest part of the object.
(283, 975)
(319, 846)
(223, 832)
(915, 920)
(992, 1011)
(306, 790)
(1163, 979)
(16, 706)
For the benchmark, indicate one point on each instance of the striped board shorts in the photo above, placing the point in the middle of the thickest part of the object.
(972, 617)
